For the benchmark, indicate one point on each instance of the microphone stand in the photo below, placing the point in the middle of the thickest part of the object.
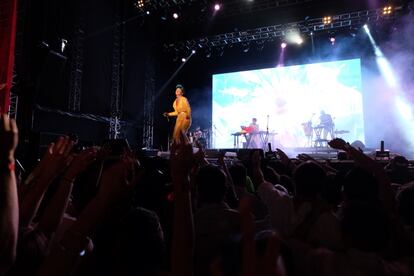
(267, 133)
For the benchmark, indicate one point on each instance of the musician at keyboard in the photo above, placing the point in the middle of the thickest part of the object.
(252, 135)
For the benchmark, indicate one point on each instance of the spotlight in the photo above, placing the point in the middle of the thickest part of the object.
(183, 60)
(217, 7)
(175, 15)
(246, 48)
(283, 45)
(387, 10)
(327, 20)
(193, 52)
(332, 40)
(366, 29)
(148, 12)
(63, 43)
(139, 4)
(299, 40)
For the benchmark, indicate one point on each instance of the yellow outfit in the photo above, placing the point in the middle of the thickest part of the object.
(183, 112)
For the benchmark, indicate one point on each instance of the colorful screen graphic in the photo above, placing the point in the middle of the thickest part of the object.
(289, 103)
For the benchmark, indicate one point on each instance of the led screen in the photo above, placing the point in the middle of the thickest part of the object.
(288, 103)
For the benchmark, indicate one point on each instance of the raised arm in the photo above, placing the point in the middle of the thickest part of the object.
(55, 160)
(183, 228)
(386, 195)
(54, 211)
(9, 208)
(117, 182)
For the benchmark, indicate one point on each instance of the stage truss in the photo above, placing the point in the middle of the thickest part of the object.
(262, 35)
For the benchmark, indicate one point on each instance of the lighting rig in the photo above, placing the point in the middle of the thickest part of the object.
(279, 31)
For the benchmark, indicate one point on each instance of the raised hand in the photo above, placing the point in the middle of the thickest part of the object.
(253, 263)
(304, 157)
(200, 155)
(119, 179)
(8, 137)
(182, 160)
(80, 162)
(57, 156)
(338, 143)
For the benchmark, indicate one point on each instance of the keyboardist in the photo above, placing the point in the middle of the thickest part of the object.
(253, 141)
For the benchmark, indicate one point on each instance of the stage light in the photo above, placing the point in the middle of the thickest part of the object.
(283, 45)
(175, 15)
(332, 40)
(63, 43)
(183, 60)
(366, 29)
(139, 4)
(193, 52)
(148, 12)
(299, 40)
(327, 20)
(217, 7)
(387, 10)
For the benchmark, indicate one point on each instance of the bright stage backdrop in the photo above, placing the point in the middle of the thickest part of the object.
(283, 98)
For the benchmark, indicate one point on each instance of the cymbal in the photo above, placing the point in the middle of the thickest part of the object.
(341, 131)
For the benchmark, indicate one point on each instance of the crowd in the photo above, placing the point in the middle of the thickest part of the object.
(92, 212)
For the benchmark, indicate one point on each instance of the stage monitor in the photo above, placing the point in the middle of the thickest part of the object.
(295, 106)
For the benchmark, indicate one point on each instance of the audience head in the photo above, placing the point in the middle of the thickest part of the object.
(211, 184)
(139, 246)
(309, 179)
(360, 185)
(271, 175)
(405, 203)
(287, 182)
(365, 226)
(238, 174)
(231, 260)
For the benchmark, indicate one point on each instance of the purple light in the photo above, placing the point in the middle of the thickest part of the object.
(283, 45)
(217, 7)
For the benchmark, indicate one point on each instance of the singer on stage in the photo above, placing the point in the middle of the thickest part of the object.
(183, 112)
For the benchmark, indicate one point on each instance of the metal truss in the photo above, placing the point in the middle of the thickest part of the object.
(14, 101)
(149, 97)
(75, 91)
(274, 32)
(115, 128)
